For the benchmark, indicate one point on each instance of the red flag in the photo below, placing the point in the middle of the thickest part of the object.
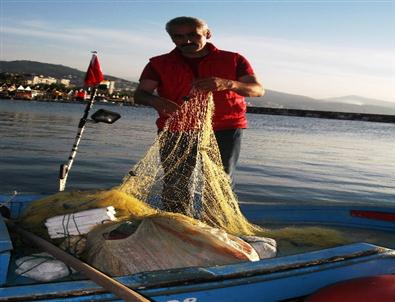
(94, 74)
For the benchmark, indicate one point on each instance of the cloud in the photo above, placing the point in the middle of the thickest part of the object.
(314, 57)
(40, 33)
(311, 69)
(318, 70)
(116, 47)
(84, 35)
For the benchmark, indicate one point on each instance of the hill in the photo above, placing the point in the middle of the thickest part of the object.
(352, 104)
(271, 99)
(359, 101)
(58, 71)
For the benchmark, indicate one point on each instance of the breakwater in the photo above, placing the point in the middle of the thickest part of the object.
(368, 117)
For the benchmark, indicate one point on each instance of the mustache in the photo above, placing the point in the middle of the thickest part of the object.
(188, 44)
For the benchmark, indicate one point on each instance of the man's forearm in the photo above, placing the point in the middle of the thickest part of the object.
(164, 106)
(145, 98)
(247, 89)
(245, 86)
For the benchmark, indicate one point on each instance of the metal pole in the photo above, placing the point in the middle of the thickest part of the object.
(65, 168)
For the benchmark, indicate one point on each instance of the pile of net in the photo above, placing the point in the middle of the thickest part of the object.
(175, 208)
(182, 171)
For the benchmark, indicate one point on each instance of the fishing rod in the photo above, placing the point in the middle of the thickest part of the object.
(65, 168)
(93, 78)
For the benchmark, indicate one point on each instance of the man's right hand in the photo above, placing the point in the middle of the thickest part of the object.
(144, 95)
(165, 107)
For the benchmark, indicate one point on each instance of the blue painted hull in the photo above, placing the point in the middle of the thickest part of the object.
(275, 279)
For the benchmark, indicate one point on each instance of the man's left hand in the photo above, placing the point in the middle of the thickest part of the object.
(212, 84)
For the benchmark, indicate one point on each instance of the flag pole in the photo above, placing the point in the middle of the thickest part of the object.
(93, 78)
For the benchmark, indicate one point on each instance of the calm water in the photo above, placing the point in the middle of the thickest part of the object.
(284, 159)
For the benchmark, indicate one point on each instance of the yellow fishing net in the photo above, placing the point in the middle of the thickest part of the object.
(182, 172)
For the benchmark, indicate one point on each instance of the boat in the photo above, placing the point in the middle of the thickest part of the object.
(288, 277)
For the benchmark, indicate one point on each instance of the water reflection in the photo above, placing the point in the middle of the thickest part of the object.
(287, 159)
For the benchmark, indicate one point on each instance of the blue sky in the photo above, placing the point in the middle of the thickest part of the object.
(315, 48)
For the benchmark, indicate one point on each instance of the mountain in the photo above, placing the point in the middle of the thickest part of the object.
(275, 99)
(352, 104)
(58, 71)
(359, 101)
(271, 99)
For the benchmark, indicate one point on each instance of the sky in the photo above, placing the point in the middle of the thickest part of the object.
(320, 49)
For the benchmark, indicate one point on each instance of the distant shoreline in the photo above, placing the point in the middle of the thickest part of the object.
(366, 117)
(73, 102)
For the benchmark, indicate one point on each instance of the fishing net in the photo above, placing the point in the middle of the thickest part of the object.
(177, 198)
(182, 171)
(181, 183)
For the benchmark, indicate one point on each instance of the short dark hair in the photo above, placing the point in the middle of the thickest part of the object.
(186, 20)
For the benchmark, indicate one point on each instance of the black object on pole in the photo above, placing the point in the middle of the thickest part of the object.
(105, 116)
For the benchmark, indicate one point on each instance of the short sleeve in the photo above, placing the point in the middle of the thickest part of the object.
(149, 73)
(243, 67)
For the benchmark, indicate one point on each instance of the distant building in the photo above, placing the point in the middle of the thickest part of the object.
(44, 80)
(65, 82)
(24, 93)
(34, 80)
(110, 85)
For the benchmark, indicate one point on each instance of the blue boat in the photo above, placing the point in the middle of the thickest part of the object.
(291, 277)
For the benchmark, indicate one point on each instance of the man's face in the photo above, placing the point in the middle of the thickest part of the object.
(189, 38)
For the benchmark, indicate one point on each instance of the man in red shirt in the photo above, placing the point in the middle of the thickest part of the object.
(195, 63)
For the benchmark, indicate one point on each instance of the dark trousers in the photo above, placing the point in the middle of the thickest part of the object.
(229, 143)
(176, 193)
(178, 157)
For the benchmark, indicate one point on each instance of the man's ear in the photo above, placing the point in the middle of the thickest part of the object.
(208, 34)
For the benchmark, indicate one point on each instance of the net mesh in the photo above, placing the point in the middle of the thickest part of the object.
(182, 172)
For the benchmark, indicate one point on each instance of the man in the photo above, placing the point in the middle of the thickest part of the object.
(195, 63)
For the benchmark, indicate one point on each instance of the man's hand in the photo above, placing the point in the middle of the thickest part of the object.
(247, 85)
(165, 107)
(144, 96)
(212, 84)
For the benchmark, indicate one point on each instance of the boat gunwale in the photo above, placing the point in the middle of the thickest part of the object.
(163, 280)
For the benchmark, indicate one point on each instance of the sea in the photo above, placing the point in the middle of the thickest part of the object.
(283, 159)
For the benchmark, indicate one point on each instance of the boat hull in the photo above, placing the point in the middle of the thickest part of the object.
(281, 278)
